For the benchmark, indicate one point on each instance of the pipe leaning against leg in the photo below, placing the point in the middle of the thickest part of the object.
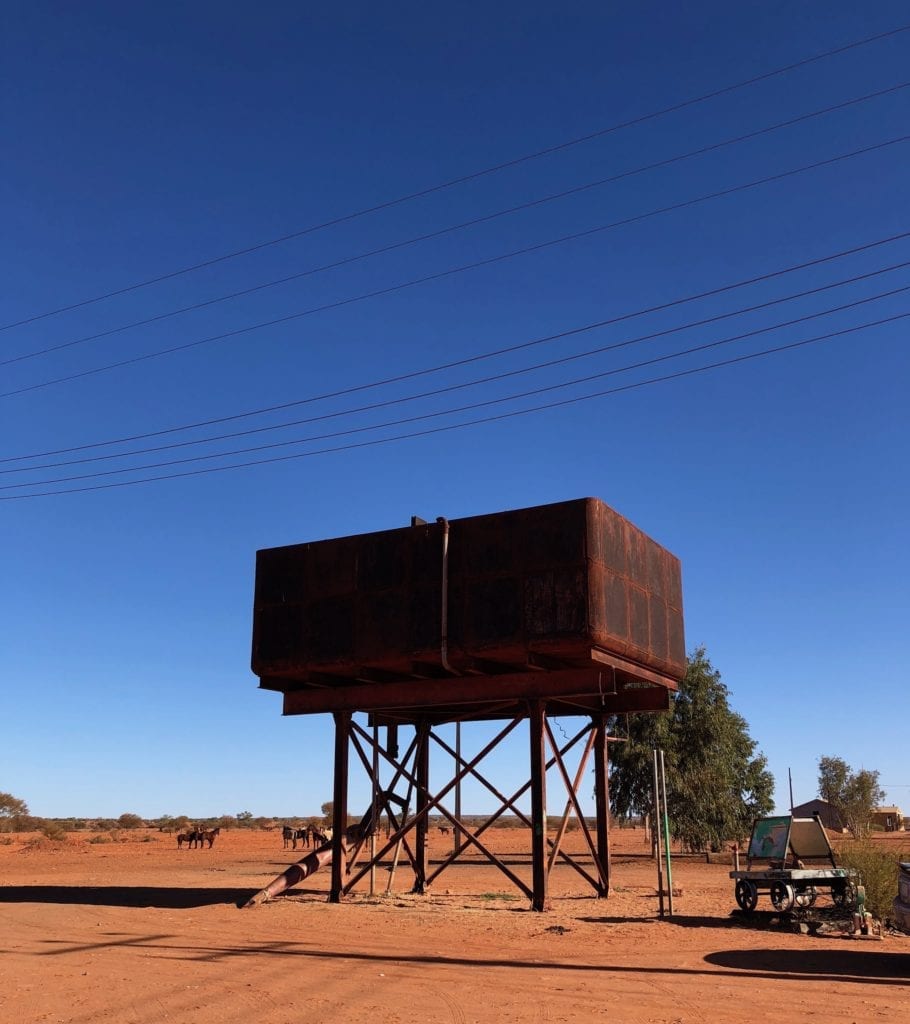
(302, 869)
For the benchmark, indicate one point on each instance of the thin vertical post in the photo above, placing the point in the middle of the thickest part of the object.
(655, 832)
(340, 805)
(602, 802)
(666, 818)
(539, 899)
(422, 774)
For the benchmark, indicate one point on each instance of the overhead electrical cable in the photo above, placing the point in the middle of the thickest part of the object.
(470, 407)
(449, 229)
(469, 423)
(507, 374)
(467, 360)
(473, 175)
(440, 275)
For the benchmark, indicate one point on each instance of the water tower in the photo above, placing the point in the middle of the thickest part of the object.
(562, 610)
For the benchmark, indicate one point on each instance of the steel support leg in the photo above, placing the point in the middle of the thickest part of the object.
(422, 773)
(340, 805)
(602, 801)
(537, 716)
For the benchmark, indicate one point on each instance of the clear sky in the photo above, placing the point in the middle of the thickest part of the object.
(139, 140)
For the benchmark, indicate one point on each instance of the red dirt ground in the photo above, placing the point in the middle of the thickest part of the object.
(140, 932)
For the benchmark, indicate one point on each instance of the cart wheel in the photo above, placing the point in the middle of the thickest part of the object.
(844, 896)
(806, 897)
(781, 896)
(746, 895)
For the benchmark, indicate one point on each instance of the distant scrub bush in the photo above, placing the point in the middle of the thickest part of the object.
(43, 842)
(53, 830)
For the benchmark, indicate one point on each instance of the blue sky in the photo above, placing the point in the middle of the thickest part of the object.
(141, 141)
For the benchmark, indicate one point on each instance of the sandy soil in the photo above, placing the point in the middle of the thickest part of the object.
(139, 931)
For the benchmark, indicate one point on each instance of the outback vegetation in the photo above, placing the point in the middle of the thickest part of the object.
(12, 812)
(716, 781)
(853, 794)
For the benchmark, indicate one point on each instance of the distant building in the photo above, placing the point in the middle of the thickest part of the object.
(891, 819)
(829, 817)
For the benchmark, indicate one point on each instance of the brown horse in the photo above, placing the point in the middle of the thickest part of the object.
(209, 837)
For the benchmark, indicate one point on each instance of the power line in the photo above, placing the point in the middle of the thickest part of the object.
(473, 406)
(537, 247)
(449, 229)
(463, 179)
(469, 423)
(505, 375)
(401, 378)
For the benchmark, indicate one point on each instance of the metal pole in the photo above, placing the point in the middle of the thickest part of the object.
(422, 773)
(456, 831)
(666, 816)
(340, 806)
(537, 716)
(655, 832)
(790, 777)
(375, 807)
(602, 801)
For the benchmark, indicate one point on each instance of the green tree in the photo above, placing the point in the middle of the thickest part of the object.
(854, 795)
(130, 821)
(245, 819)
(12, 811)
(328, 811)
(716, 782)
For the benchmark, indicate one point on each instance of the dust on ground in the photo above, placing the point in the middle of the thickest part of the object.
(138, 932)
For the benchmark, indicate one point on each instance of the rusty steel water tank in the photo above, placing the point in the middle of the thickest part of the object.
(530, 594)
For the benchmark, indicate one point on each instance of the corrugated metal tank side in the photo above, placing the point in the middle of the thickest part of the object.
(635, 593)
(536, 580)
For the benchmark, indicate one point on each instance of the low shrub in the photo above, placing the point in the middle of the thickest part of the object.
(45, 844)
(53, 830)
(879, 871)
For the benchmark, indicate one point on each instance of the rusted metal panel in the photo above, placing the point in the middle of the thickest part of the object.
(556, 584)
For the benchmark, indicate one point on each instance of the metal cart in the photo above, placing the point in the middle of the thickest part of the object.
(788, 847)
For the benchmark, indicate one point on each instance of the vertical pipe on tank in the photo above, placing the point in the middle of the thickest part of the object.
(444, 639)
(444, 659)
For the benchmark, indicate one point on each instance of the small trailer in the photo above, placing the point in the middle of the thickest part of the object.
(799, 864)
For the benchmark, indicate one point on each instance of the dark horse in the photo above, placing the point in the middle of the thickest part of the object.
(209, 837)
